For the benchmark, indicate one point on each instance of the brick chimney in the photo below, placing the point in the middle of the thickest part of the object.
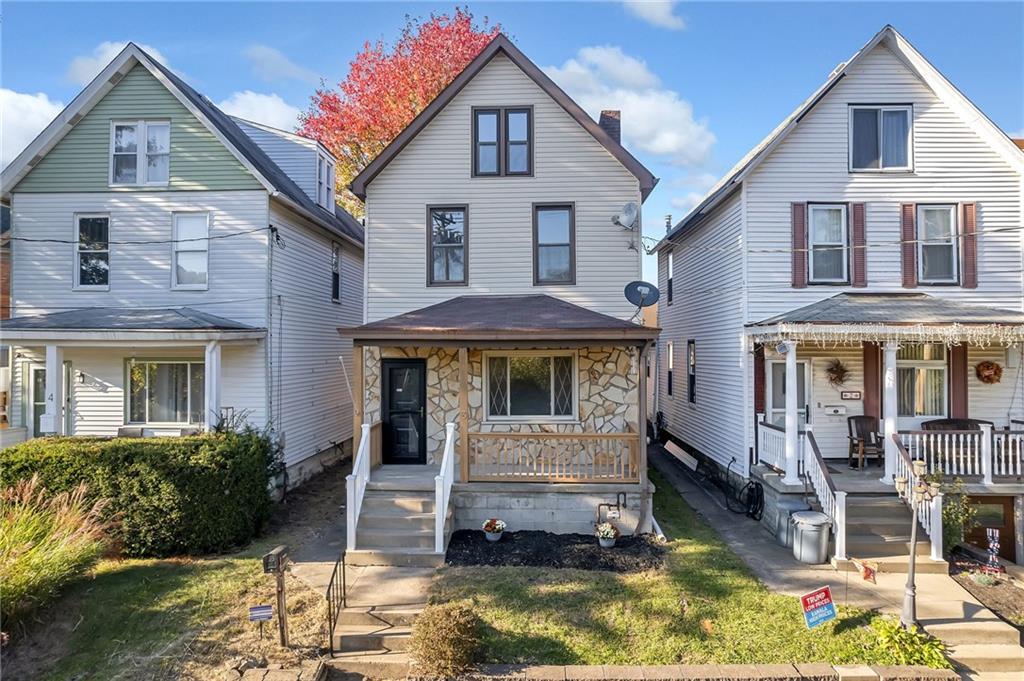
(611, 123)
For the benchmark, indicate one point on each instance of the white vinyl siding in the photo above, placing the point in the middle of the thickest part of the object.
(435, 168)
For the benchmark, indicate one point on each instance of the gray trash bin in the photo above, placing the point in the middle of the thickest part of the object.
(810, 536)
(783, 525)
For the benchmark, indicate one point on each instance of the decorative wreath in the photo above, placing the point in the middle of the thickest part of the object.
(988, 372)
(836, 373)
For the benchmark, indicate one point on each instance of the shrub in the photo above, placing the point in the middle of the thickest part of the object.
(45, 541)
(168, 496)
(910, 646)
(445, 639)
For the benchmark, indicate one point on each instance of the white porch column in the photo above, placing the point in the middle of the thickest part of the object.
(52, 420)
(212, 385)
(889, 408)
(792, 476)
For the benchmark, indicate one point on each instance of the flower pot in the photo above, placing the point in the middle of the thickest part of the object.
(606, 542)
(492, 536)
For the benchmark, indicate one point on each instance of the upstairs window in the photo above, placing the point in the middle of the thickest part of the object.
(140, 153)
(691, 371)
(554, 243)
(92, 252)
(503, 141)
(324, 181)
(335, 272)
(880, 138)
(827, 244)
(446, 248)
(937, 245)
(671, 367)
(671, 268)
(190, 258)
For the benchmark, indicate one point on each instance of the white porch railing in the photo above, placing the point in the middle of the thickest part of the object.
(833, 501)
(951, 452)
(928, 514)
(1008, 452)
(443, 486)
(771, 445)
(355, 486)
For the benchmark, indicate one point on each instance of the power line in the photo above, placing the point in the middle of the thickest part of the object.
(147, 242)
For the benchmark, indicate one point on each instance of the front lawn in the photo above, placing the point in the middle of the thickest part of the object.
(705, 606)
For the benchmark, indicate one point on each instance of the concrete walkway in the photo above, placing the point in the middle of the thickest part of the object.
(944, 608)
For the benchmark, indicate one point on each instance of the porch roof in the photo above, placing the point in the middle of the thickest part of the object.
(894, 316)
(501, 318)
(115, 323)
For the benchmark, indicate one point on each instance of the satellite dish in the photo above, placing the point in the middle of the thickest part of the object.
(642, 294)
(627, 218)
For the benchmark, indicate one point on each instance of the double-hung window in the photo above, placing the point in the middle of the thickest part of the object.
(92, 252)
(166, 392)
(671, 367)
(937, 245)
(335, 272)
(691, 371)
(827, 240)
(554, 244)
(324, 181)
(446, 246)
(503, 141)
(531, 385)
(921, 380)
(671, 267)
(191, 250)
(140, 153)
(881, 138)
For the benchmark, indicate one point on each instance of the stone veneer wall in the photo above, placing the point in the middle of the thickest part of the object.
(608, 392)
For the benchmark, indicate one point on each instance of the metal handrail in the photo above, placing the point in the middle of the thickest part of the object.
(337, 599)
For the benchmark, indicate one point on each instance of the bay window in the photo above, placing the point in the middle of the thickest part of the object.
(921, 380)
(92, 252)
(937, 245)
(166, 392)
(140, 153)
(190, 257)
(881, 138)
(531, 385)
(827, 239)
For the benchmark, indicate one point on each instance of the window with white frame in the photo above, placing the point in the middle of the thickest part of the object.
(881, 137)
(937, 245)
(190, 260)
(324, 181)
(140, 153)
(531, 385)
(827, 240)
(921, 380)
(671, 367)
(335, 272)
(671, 264)
(691, 371)
(92, 251)
(166, 392)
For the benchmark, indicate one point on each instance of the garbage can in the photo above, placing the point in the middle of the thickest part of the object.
(810, 538)
(783, 524)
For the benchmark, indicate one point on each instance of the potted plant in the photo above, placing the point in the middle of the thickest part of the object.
(606, 535)
(493, 527)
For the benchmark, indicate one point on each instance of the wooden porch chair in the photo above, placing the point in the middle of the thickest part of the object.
(864, 440)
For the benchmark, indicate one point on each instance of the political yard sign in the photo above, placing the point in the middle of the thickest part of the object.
(818, 607)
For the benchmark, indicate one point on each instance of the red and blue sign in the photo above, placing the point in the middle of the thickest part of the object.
(818, 607)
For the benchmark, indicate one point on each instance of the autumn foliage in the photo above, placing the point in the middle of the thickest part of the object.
(387, 87)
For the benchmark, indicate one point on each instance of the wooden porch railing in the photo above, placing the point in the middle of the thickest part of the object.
(554, 457)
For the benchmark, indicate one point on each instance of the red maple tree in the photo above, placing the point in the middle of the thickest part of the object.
(387, 87)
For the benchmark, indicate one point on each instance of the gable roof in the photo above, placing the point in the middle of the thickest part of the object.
(915, 61)
(501, 44)
(248, 153)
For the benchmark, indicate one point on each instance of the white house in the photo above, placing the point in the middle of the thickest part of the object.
(865, 259)
(174, 266)
(499, 366)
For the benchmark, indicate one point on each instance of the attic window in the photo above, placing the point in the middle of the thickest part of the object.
(324, 181)
(503, 141)
(140, 153)
(880, 138)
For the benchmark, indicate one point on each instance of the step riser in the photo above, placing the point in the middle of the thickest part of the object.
(929, 567)
(884, 548)
(386, 539)
(384, 523)
(991, 664)
(356, 618)
(393, 558)
(386, 504)
(372, 642)
(976, 634)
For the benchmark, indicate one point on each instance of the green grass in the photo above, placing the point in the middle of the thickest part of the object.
(705, 606)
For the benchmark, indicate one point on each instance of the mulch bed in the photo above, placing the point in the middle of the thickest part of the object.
(1004, 599)
(530, 548)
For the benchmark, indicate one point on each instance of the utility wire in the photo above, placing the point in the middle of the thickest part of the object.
(147, 242)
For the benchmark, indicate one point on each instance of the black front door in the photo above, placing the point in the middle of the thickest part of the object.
(404, 411)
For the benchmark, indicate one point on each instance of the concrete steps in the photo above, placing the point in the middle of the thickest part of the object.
(988, 657)
(388, 639)
(878, 529)
(991, 632)
(396, 526)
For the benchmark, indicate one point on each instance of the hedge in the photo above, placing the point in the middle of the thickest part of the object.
(166, 496)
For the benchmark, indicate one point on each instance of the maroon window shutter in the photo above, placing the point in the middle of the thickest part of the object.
(872, 380)
(908, 248)
(860, 254)
(799, 221)
(970, 246)
(958, 382)
(758, 379)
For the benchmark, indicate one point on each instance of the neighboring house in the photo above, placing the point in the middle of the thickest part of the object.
(5, 312)
(173, 266)
(494, 303)
(876, 230)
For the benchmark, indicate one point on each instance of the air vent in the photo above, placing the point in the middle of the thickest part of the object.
(115, 78)
(74, 119)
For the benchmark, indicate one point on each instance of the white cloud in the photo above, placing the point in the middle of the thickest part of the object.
(84, 68)
(272, 65)
(1016, 134)
(262, 108)
(686, 203)
(22, 117)
(655, 120)
(659, 13)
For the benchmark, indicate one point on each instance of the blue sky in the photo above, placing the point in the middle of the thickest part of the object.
(699, 83)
